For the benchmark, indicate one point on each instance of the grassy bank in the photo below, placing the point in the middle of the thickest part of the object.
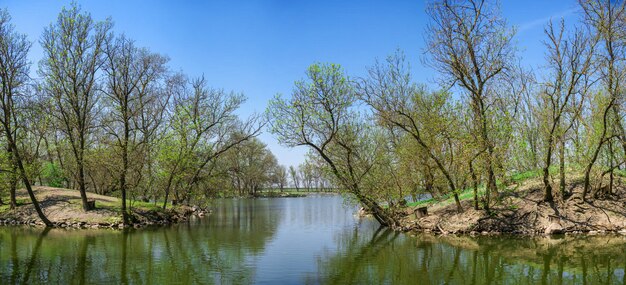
(520, 210)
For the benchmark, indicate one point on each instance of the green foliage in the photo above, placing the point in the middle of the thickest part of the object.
(521, 176)
(53, 175)
(447, 199)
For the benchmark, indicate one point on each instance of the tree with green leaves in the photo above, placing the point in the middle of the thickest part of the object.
(427, 118)
(127, 69)
(14, 68)
(320, 115)
(250, 166)
(606, 20)
(203, 126)
(294, 174)
(469, 44)
(73, 55)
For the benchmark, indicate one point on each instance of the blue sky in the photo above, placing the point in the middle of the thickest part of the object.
(261, 47)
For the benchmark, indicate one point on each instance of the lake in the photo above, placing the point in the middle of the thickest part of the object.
(309, 240)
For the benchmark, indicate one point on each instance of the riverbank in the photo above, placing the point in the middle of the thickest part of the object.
(63, 208)
(522, 211)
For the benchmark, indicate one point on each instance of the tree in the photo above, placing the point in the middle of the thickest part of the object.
(14, 68)
(203, 126)
(425, 117)
(570, 61)
(307, 171)
(128, 69)
(73, 48)
(295, 177)
(251, 166)
(469, 44)
(319, 115)
(606, 19)
(152, 125)
(280, 176)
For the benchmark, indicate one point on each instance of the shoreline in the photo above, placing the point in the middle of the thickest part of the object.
(64, 209)
(164, 218)
(522, 212)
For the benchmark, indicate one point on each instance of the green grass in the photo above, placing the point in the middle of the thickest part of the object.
(553, 170)
(468, 193)
(530, 174)
(449, 198)
(117, 206)
(19, 201)
(521, 176)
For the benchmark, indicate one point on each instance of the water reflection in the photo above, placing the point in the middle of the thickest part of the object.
(207, 251)
(314, 240)
(367, 256)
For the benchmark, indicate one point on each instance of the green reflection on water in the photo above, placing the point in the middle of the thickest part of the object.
(239, 242)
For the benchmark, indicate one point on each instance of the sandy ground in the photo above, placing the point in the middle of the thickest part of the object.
(64, 205)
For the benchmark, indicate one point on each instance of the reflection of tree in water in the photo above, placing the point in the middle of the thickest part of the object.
(369, 256)
(214, 250)
(222, 249)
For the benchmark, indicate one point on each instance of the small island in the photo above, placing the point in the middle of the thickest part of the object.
(64, 210)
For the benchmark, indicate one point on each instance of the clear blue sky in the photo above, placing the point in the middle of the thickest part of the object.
(261, 47)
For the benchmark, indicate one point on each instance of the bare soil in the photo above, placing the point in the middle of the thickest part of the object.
(63, 207)
(522, 211)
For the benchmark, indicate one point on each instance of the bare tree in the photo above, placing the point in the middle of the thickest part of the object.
(570, 61)
(469, 43)
(128, 69)
(203, 127)
(14, 67)
(401, 104)
(606, 19)
(73, 49)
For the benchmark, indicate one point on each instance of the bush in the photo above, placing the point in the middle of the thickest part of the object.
(52, 175)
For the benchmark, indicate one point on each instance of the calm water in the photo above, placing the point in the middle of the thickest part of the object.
(308, 240)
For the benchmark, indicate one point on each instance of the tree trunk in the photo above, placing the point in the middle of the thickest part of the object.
(82, 186)
(81, 172)
(587, 181)
(611, 168)
(475, 182)
(491, 187)
(459, 208)
(547, 194)
(384, 218)
(12, 180)
(167, 190)
(125, 217)
(562, 168)
(18, 161)
(123, 189)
